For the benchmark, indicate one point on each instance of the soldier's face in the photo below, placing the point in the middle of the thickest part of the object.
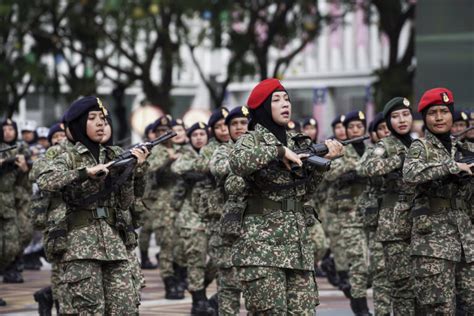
(281, 108)
(382, 130)
(374, 137)
(439, 119)
(95, 126)
(238, 126)
(58, 137)
(401, 121)
(107, 133)
(340, 132)
(162, 130)
(43, 142)
(151, 135)
(221, 131)
(311, 131)
(27, 136)
(458, 127)
(180, 134)
(199, 138)
(9, 133)
(355, 129)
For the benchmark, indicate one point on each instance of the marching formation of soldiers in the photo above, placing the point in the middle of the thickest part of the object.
(250, 200)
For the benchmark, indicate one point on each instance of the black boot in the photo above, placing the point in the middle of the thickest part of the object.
(329, 267)
(318, 272)
(171, 292)
(44, 297)
(145, 262)
(2, 302)
(344, 284)
(359, 306)
(157, 256)
(12, 273)
(201, 306)
(181, 274)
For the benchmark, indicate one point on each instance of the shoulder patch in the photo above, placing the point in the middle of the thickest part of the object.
(379, 151)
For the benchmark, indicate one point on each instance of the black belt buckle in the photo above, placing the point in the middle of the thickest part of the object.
(100, 212)
(289, 205)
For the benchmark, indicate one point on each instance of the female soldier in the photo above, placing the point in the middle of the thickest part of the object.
(274, 252)
(442, 241)
(95, 260)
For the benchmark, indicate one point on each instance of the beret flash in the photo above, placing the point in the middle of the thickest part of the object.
(395, 104)
(240, 111)
(338, 119)
(436, 96)
(354, 116)
(309, 121)
(83, 105)
(196, 126)
(217, 114)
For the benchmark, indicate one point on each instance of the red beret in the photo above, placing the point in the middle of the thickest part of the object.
(261, 92)
(436, 96)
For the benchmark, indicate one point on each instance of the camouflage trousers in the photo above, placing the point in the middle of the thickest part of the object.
(355, 241)
(138, 278)
(228, 289)
(378, 273)
(336, 242)
(10, 245)
(277, 291)
(146, 231)
(399, 269)
(101, 287)
(25, 224)
(191, 252)
(167, 247)
(438, 281)
(318, 238)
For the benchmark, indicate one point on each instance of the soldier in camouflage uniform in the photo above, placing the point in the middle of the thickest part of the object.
(274, 253)
(95, 232)
(442, 241)
(14, 180)
(369, 206)
(228, 286)
(161, 158)
(193, 167)
(349, 188)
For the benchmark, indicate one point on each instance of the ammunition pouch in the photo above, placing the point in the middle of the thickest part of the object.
(231, 220)
(402, 216)
(310, 215)
(39, 210)
(55, 238)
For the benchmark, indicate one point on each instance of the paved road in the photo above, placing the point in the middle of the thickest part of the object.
(21, 303)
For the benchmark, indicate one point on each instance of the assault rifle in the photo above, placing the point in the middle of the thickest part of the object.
(7, 149)
(318, 151)
(457, 135)
(126, 157)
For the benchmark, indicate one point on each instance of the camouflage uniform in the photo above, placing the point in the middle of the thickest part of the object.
(442, 244)
(228, 286)
(95, 259)
(349, 188)
(192, 230)
(274, 252)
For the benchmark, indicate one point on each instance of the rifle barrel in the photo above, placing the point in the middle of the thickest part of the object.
(462, 132)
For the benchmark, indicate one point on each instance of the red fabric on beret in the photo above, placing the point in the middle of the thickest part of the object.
(436, 96)
(261, 92)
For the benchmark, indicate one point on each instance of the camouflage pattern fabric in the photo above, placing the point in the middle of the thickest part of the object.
(382, 287)
(352, 229)
(442, 235)
(274, 252)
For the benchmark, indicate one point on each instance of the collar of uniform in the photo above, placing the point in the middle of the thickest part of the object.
(269, 138)
(435, 141)
(81, 149)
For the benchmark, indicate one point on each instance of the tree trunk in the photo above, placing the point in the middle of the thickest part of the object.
(121, 130)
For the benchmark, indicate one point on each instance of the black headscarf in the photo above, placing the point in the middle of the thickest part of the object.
(78, 129)
(263, 116)
(359, 148)
(15, 127)
(444, 138)
(405, 138)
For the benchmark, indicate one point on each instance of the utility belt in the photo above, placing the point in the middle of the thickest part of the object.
(264, 206)
(78, 218)
(389, 200)
(439, 205)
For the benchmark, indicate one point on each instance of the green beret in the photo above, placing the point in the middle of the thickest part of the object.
(396, 103)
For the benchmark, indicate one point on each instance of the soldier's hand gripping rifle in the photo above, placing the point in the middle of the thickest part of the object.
(126, 157)
(317, 152)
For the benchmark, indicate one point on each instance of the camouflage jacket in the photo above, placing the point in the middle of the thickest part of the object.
(441, 225)
(280, 238)
(15, 188)
(99, 239)
(394, 222)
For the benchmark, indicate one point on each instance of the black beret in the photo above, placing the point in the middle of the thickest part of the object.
(395, 104)
(196, 126)
(177, 122)
(83, 105)
(310, 121)
(148, 128)
(337, 120)
(240, 111)
(58, 127)
(164, 120)
(460, 116)
(376, 121)
(217, 114)
(354, 116)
